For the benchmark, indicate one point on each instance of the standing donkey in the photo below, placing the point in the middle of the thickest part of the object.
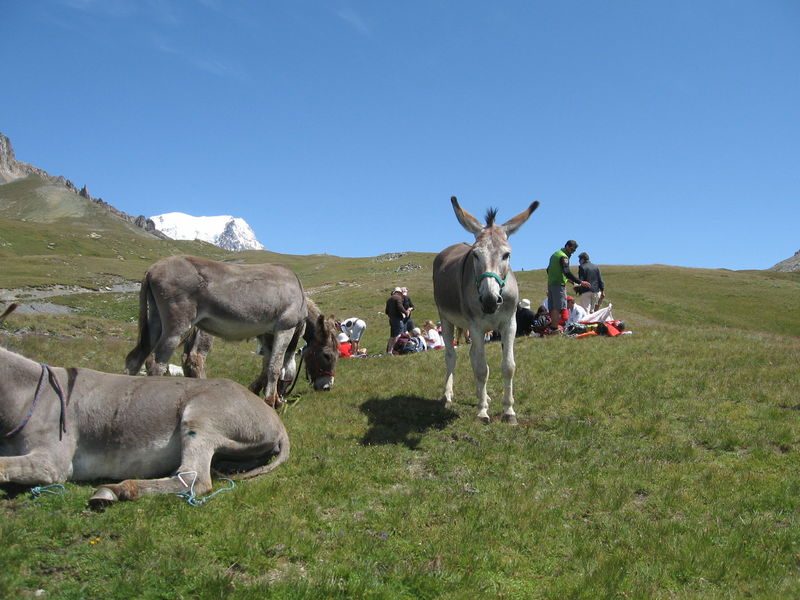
(475, 289)
(230, 301)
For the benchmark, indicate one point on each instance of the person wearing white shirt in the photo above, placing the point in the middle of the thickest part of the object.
(432, 336)
(576, 312)
(354, 328)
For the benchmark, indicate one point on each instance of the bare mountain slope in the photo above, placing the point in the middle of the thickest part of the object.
(30, 193)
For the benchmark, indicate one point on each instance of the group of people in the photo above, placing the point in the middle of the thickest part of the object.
(404, 336)
(556, 312)
(559, 309)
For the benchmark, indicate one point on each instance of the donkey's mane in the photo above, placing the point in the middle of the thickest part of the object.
(491, 214)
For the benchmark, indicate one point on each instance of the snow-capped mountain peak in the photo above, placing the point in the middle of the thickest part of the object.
(225, 231)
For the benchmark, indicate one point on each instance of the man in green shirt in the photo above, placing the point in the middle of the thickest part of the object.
(557, 275)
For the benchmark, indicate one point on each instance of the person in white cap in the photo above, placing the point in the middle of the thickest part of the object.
(525, 317)
(345, 347)
(397, 314)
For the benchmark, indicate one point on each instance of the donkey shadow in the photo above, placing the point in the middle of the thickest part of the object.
(403, 419)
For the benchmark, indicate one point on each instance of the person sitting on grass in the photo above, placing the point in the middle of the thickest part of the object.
(525, 317)
(345, 347)
(433, 338)
(541, 324)
(410, 342)
(576, 312)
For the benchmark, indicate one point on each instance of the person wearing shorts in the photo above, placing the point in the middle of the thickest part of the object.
(558, 274)
(397, 314)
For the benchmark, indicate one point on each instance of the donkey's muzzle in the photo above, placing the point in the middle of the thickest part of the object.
(323, 384)
(490, 304)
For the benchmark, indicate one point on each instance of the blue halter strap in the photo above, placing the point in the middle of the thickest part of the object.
(500, 280)
(47, 373)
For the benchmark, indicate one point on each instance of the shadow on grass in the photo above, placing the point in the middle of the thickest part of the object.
(9, 491)
(403, 419)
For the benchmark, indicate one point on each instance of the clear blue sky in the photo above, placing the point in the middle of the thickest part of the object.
(651, 132)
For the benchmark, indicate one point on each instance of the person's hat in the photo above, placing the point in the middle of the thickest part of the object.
(525, 303)
(416, 331)
(397, 289)
(342, 338)
(570, 298)
(583, 256)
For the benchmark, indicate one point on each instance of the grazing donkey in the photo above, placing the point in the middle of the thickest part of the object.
(474, 288)
(157, 434)
(234, 302)
(320, 353)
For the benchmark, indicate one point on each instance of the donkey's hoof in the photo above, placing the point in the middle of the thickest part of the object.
(103, 497)
(510, 419)
(447, 404)
(484, 419)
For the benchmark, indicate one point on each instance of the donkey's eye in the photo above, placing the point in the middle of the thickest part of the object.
(507, 255)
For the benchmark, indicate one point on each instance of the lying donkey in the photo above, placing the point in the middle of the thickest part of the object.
(159, 434)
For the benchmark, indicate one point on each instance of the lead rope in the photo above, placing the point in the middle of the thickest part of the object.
(191, 498)
(40, 490)
(296, 375)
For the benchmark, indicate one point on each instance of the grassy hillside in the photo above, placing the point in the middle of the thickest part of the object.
(662, 464)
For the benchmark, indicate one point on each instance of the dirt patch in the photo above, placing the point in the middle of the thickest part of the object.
(23, 296)
(44, 308)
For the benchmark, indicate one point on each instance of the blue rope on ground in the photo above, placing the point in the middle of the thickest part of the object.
(190, 496)
(40, 490)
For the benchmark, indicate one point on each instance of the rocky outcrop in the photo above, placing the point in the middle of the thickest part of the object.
(789, 265)
(237, 236)
(12, 169)
(148, 225)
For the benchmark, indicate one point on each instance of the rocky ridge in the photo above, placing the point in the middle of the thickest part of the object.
(791, 264)
(12, 169)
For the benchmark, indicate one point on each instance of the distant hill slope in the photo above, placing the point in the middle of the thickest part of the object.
(41, 200)
(791, 264)
(28, 192)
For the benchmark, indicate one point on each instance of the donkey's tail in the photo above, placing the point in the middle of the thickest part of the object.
(283, 456)
(137, 356)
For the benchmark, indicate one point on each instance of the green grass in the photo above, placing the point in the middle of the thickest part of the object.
(662, 464)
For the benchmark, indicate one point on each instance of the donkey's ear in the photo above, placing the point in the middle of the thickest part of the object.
(512, 225)
(467, 221)
(11, 308)
(319, 330)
